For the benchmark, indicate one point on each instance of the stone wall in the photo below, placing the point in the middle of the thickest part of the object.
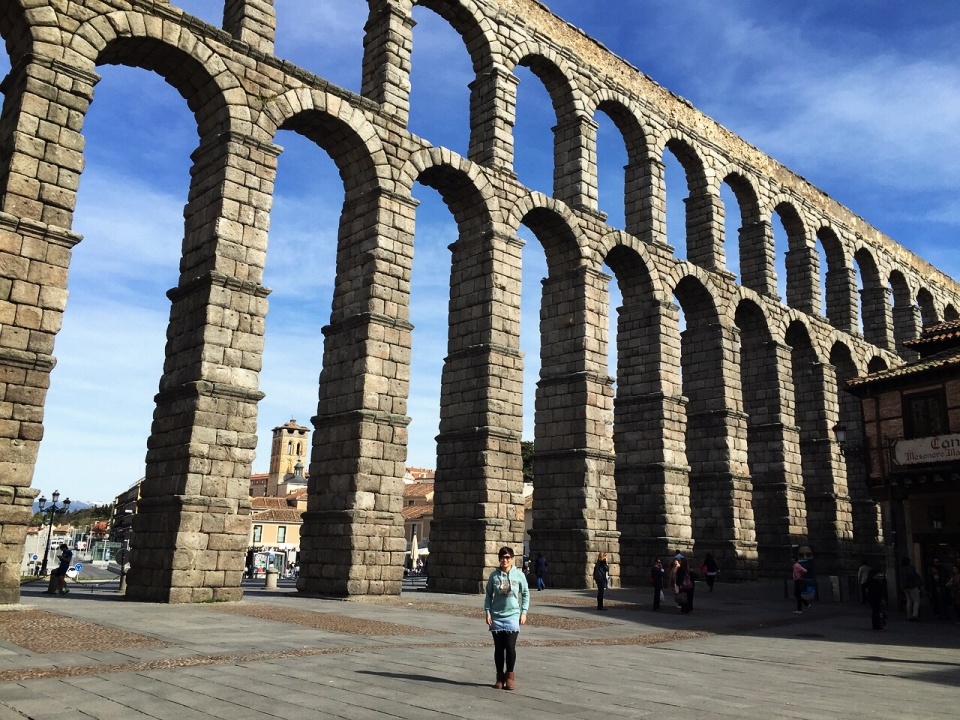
(714, 439)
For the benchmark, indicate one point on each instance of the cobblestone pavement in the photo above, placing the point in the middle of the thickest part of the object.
(276, 654)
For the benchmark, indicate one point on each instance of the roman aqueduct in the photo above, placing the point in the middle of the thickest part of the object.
(717, 437)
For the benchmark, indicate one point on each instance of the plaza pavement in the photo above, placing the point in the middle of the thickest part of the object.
(276, 654)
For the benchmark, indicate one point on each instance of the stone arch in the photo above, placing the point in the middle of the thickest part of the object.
(220, 268)
(218, 100)
(574, 135)
(340, 130)
(481, 400)
(877, 364)
(839, 282)
(642, 170)
(555, 226)
(906, 317)
(479, 36)
(492, 91)
(865, 513)
(765, 387)
(950, 312)
(875, 302)
(928, 307)
(651, 471)
(19, 28)
(575, 504)
(716, 430)
(824, 479)
(465, 188)
(803, 290)
(755, 240)
(702, 205)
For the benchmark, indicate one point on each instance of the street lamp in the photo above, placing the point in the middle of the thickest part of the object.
(49, 513)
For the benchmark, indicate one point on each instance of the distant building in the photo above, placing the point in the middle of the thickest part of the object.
(911, 443)
(124, 509)
(288, 450)
(258, 484)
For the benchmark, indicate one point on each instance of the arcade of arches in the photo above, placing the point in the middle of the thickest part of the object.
(716, 434)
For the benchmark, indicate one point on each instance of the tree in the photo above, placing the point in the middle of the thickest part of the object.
(526, 452)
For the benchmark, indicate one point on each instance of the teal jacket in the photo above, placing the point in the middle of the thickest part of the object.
(506, 601)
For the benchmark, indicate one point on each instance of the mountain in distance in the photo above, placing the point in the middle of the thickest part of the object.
(74, 505)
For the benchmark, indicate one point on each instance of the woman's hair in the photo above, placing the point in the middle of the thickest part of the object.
(505, 551)
(684, 564)
(601, 556)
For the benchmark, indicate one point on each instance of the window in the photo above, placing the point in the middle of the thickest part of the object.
(925, 414)
(257, 533)
(281, 534)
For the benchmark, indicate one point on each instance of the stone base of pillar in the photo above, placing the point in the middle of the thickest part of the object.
(572, 553)
(351, 552)
(773, 559)
(466, 551)
(187, 549)
(16, 509)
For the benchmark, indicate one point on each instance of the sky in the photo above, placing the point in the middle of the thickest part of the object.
(861, 98)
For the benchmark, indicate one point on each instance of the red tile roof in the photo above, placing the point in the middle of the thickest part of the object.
(286, 515)
(415, 512)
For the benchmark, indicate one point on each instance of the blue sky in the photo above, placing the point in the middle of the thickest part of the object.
(862, 98)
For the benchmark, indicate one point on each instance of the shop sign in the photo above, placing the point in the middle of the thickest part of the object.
(922, 451)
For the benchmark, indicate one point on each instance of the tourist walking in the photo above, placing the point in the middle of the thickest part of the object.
(505, 604)
(601, 576)
(656, 577)
(911, 582)
(798, 572)
(540, 568)
(710, 570)
(685, 585)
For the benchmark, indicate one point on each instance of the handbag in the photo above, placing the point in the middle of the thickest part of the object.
(661, 596)
(681, 598)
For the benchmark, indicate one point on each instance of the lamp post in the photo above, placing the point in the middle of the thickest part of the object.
(49, 514)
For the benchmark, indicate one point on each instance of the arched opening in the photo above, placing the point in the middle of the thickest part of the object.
(866, 513)
(440, 78)
(651, 477)
(772, 480)
(533, 132)
(110, 348)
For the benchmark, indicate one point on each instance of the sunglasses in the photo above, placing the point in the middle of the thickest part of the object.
(506, 557)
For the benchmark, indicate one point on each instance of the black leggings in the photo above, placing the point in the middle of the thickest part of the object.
(505, 648)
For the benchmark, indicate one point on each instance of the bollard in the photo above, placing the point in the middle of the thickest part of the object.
(270, 583)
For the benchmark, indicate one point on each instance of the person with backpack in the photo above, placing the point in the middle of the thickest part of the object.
(911, 582)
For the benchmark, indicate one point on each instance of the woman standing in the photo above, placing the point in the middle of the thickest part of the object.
(685, 586)
(601, 576)
(506, 603)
